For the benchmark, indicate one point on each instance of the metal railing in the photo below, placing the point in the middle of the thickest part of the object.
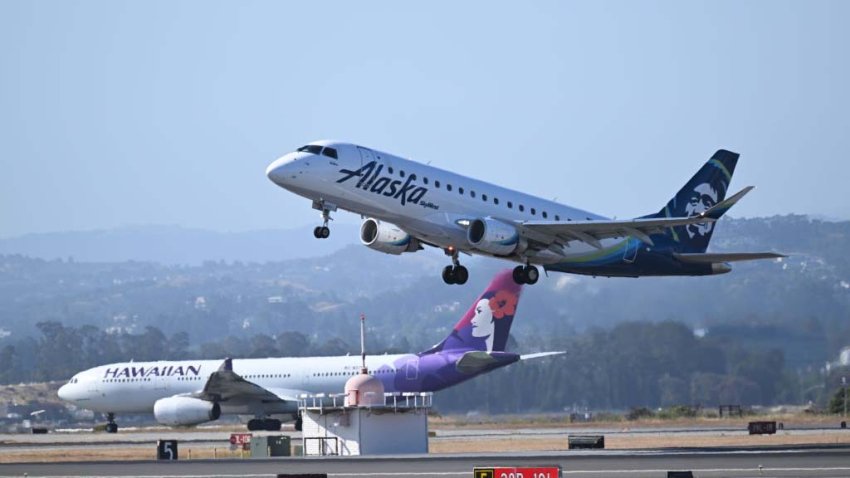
(394, 400)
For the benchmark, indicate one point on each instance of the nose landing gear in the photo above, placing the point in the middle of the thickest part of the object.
(323, 231)
(111, 426)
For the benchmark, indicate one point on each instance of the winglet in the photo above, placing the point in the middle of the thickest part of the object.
(227, 365)
(720, 208)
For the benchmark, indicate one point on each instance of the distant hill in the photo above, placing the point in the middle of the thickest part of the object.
(801, 303)
(174, 245)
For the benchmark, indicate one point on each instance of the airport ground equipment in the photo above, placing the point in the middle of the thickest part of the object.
(762, 428)
(388, 424)
(579, 442)
(268, 446)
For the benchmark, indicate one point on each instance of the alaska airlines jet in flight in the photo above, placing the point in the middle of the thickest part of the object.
(191, 392)
(406, 205)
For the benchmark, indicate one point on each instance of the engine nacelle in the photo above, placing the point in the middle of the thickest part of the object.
(185, 411)
(495, 237)
(386, 237)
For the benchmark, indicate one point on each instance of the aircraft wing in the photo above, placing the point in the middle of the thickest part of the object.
(708, 258)
(477, 361)
(560, 234)
(539, 355)
(227, 387)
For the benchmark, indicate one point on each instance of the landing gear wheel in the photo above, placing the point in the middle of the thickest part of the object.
(299, 424)
(526, 275)
(531, 275)
(111, 426)
(324, 232)
(317, 232)
(519, 274)
(461, 275)
(449, 275)
(272, 425)
(255, 425)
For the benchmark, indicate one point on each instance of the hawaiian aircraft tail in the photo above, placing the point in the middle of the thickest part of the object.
(706, 189)
(486, 325)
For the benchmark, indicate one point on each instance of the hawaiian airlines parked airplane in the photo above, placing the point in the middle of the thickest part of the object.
(406, 205)
(196, 391)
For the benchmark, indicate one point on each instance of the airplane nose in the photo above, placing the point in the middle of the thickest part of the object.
(63, 392)
(276, 170)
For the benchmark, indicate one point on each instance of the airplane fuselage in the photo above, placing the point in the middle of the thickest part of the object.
(436, 207)
(134, 387)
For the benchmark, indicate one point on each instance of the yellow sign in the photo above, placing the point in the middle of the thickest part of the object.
(484, 473)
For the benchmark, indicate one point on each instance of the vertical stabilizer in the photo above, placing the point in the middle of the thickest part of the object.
(707, 188)
(486, 324)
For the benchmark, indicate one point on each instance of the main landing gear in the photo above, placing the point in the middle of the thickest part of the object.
(527, 274)
(323, 231)
(111, 426)
(267, 424)
(455, 273)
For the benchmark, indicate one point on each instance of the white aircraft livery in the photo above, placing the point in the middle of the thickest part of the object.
(406, 205)
(190, 392)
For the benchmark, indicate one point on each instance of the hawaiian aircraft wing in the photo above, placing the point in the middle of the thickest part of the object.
(539, 355)
(228, 387)
(593, 231)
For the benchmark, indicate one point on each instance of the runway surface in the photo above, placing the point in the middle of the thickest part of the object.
(812, 462)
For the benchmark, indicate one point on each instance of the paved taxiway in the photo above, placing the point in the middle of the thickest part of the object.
(811, 462)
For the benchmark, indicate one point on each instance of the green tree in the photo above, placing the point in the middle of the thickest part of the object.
(836, 404)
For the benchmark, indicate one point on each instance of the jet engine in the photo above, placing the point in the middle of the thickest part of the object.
(185, 411)
(386, 237)
(495, 237)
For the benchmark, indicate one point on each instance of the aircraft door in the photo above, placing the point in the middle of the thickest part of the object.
(365, 156)
(411, 368)
(630, 253)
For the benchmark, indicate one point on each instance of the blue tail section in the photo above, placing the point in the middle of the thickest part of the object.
(707, 188)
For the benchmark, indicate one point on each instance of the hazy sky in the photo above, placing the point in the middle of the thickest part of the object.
(115, 113)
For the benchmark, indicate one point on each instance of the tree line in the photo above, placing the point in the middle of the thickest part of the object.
(634, 364)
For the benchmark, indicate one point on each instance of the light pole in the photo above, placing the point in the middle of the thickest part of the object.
(844, 386)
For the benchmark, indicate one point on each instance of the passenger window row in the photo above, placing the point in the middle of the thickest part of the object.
(331, 153)
(338, 374)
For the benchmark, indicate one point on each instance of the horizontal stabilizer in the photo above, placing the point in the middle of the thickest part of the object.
(722, 207)
(704, 258)
(475, 362)
(539, 354)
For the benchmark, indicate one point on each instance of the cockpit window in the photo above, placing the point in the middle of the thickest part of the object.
(310, 148)
(330, 152)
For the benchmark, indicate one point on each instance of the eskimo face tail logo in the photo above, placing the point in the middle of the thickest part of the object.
(372, 181)
(703, 198)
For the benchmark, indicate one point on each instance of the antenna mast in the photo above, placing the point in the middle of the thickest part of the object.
(363, 369)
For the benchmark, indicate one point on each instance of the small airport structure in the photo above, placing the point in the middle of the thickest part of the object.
(364, 420)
